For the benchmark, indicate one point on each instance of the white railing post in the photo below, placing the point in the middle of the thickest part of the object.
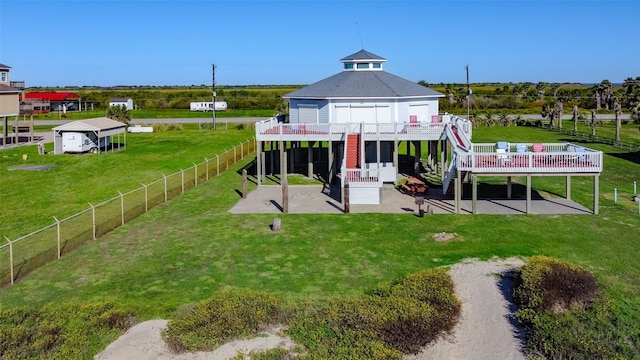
(93, 220)
(10, 258)
(121, 206)
(58, 234)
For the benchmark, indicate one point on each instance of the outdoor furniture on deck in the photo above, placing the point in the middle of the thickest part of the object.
(537, 147)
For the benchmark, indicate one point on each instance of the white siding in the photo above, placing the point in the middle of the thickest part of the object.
(343, 114)
(383, 114)
(363, 114)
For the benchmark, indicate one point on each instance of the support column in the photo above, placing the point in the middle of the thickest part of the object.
(443, 160)
(310, 158)
(568, 187)
(416, 159)
(458, 191)
(330, 165)
(271, 159)
(282, 159)
(258, 161)
(596, 194)
(509, 187)
(528, 194)
(474, 193)
(395, 155)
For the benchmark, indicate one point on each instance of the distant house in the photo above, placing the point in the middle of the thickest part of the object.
(58, 101)
(128, 102)
(9, 99)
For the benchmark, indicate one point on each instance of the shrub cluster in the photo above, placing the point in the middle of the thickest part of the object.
(394, 319)
(67, 331)
(551, 284)
(562, 315)
(167, 127)
(226, 316)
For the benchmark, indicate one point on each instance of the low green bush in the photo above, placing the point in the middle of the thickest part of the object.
(551, 284)
(563, 315)
(66, 331)
(226, 316)
(393, 319)
(272, 354)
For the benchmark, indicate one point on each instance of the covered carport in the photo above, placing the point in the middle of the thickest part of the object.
(102, 128)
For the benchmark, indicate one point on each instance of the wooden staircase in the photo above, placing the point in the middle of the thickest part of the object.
(354, 155)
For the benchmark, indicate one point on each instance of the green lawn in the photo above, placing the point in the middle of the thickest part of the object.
(191, 248)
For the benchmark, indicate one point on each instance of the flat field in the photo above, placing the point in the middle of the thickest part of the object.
(191, 248)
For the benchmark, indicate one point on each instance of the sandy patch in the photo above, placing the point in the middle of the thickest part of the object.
(487, 326)
(486, 330)
(144, 342)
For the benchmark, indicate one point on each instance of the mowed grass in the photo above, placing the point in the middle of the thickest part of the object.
(30, 199)
(191, 248)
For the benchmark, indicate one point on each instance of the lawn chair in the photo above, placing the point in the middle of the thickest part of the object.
(521, 148)
(537, 147)
(502, 145)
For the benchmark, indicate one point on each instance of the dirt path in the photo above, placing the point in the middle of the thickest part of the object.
(486, 329)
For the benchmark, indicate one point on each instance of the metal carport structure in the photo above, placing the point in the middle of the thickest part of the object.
(101, 127)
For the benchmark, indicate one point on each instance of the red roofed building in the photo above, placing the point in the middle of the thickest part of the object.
(58, 101)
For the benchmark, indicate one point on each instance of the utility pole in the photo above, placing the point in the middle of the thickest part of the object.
(213, 92)
(468, 94)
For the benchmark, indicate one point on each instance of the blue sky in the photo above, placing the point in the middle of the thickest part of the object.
(174, 42)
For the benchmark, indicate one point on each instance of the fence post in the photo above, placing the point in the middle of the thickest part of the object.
(235, 157)
(146, 198)
(615, 195)
(182, 175)
(10, 258)
(196, 173)
(93, 220)
(58, 232)
(217, 165)
(241, 150)
(121, 206)
(206, 161)
(165, 187)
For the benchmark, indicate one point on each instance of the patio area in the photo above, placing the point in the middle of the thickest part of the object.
(318, 199)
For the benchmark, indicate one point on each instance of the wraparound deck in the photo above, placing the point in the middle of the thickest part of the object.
(557, 159)
(271, 130)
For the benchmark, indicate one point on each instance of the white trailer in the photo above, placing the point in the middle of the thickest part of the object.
(207, 106)
(80, 142)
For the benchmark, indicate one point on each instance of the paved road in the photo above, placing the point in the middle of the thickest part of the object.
(223, 121)
(219, 121)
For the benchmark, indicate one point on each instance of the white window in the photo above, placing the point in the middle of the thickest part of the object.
(3, 76)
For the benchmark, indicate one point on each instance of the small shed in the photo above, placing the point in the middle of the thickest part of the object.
(90, 135)
(127, 102)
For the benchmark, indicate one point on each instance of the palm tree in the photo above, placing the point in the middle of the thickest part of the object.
(575, 113)
(504, 119)
(618, 110)
(119, 113)
(559, 111)
(592, 124)
(549, 110)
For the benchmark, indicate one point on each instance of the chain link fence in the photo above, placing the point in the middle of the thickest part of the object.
(20, 256)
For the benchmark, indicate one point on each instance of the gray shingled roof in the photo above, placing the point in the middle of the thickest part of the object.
(8, 89)
(362, 84)
(362, 55)
(5, 67)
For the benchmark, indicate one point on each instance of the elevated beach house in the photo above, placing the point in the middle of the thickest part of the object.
(363, 114)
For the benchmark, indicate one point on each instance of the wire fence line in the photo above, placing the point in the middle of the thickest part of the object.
(605, 140)
(20, 256)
